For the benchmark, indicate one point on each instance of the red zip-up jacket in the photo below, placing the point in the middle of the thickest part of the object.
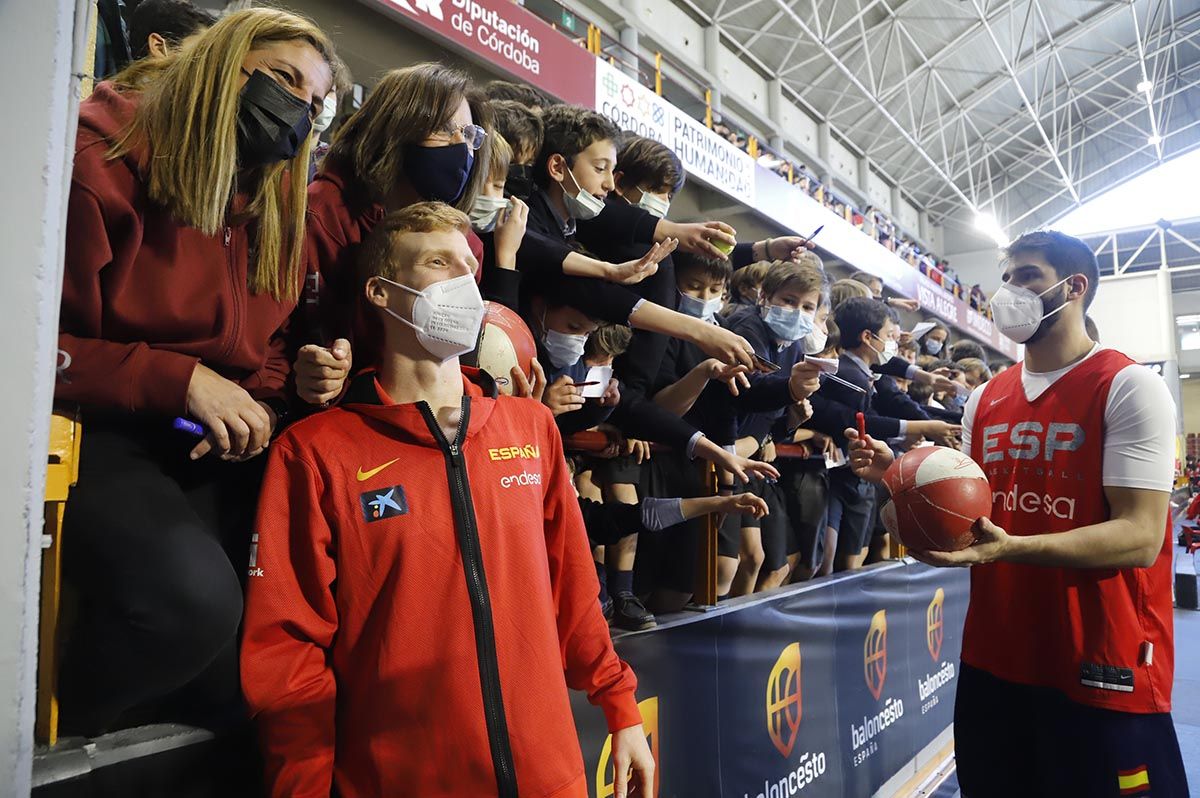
(144, 297)
(417, 608)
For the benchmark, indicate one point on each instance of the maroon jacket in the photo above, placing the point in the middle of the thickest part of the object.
(144, 297)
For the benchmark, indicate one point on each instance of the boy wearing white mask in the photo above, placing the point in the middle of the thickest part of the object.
(1070, 618)
(421, 565)
(499, 222)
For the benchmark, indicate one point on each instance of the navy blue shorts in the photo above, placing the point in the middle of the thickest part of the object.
(1016, 740)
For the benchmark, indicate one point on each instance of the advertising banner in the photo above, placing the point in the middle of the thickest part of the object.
(825, 690)
(706, 156)
(506, 35)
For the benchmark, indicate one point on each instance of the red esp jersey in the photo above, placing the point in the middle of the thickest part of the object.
(1101, 636)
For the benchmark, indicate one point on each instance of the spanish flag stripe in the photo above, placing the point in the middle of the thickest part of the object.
(1133, 781)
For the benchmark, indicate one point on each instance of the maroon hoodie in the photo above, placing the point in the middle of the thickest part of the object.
(145, 297)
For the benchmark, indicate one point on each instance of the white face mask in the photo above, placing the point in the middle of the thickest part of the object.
(564, 349)
(655, 206)
(890, 348)
(485, 213)
(446, 315)
(328, 112)
(1019, 312)
(582, 205)
(814, 342)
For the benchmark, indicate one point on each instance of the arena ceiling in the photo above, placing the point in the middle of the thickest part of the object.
(1022, 108)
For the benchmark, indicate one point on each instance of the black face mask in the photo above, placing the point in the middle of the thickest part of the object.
(519, 182)
(438, 174)
(272, 123)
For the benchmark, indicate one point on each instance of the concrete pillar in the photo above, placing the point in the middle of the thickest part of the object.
(926, 230)
(712, 46)
(864, 172)
(37, 43)
(629, 40)
(823, 139)
(896, 201)
(775, 105)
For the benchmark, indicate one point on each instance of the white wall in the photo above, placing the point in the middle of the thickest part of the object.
(1134, 314)
(977, 266)
(843, 163)
(879, 192)
(742, 82)
(798, 126)
(908, 217)
(674, 26)
(36, 45)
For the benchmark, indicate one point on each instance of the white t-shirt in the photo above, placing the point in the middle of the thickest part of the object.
(1139, 425)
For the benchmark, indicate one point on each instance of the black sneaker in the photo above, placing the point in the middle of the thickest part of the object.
(630, 614)
(606, 606)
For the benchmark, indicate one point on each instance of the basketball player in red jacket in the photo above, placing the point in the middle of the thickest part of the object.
(421, 592)
(1068, 653)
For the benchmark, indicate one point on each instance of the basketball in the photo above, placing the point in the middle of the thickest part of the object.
(505, 342)
(936, 495)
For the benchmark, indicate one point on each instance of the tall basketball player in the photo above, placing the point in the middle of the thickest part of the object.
(1068, 655)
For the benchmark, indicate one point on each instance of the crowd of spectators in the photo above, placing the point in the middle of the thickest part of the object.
(313, 317)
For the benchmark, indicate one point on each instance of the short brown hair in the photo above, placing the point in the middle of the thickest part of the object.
(712, 268)
(521, 93)
(746, 277)
(646, 162)
(569, 130)
(377, 258)
(786, 274)
(609, 340)
(521, 126)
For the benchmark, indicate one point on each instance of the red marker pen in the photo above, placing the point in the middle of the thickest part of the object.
(862, 426)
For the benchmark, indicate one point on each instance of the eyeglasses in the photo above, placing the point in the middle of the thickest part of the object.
(472, 135)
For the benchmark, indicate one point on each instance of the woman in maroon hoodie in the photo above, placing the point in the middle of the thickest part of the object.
(186, 207)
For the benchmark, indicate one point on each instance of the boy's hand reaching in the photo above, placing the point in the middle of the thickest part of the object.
(869, 458)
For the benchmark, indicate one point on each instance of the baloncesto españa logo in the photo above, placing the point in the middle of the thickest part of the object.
(935, 633)
(862, 737)
(785, 710)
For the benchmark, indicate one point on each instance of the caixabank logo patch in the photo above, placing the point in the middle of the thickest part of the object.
(604, 777)
(785, 710)
(931, 685)
(862, 737)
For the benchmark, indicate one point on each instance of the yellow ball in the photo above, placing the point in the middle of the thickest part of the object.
(724, 246)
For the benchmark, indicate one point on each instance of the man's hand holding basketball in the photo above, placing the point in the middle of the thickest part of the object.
(869, 458)
(991, 544)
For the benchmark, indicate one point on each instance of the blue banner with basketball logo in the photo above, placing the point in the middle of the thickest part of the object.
(826, 689)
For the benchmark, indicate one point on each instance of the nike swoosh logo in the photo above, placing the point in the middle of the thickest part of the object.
(993, 403)
(363, 476)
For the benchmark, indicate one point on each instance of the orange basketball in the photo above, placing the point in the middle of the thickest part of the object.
(504, 343)
(936, 496)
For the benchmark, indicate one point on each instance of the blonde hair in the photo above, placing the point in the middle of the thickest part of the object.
(377, 258)
(406, 107)
(501, 158)
(847, 289)
(789, 275)
(187, 119)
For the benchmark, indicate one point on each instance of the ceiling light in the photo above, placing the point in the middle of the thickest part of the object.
(1145, 87)
(1184, 376)
(987, 224)
(1154, 140)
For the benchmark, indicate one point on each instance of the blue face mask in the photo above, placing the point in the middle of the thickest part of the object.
(933, 346)
(788, 324)
(438, 174)
(699, 309)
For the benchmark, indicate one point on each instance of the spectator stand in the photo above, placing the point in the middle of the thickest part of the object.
(705, 593)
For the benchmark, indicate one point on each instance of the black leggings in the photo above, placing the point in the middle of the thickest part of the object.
(157, 547)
